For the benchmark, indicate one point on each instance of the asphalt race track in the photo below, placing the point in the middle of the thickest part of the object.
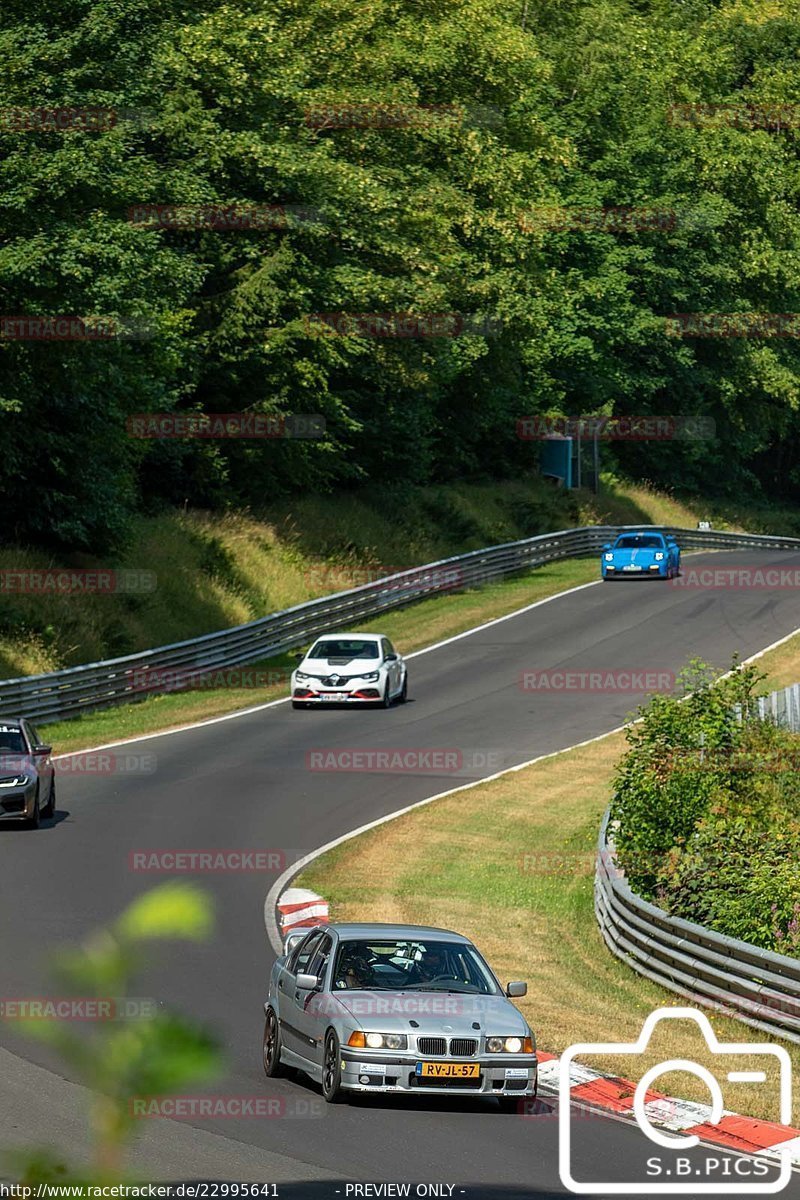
(244, 784)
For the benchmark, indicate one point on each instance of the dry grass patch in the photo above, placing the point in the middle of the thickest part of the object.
(510, 864)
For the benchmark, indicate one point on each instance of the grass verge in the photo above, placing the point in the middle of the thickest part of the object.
(511, 864)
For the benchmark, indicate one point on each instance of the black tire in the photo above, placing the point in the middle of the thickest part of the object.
(386, 699)
(35, 821)
(332, 1069)
(298, 704)
(273, 1067)
(50, 811)
(404, 690)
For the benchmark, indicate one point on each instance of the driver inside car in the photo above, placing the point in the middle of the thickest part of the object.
(354, 972)
(432, 965)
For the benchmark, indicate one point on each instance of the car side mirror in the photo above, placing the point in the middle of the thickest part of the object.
(42, 751)
(298, 656)
(391, 658)
(607, 546)
(517, 988)
(307, 983)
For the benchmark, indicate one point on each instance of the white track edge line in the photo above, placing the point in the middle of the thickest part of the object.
(246, 712)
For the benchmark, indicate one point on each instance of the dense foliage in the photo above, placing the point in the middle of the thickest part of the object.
(561, 102)
(707, 800)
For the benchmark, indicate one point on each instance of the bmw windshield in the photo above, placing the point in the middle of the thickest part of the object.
(411, 966)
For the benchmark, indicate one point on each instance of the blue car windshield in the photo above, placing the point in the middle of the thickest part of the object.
(637, 541)
(411, 966)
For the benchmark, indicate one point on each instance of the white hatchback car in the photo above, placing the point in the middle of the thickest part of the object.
(350, 668)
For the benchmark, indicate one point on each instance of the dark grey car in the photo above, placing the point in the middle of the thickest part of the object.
(397, 1008)
(27, 775)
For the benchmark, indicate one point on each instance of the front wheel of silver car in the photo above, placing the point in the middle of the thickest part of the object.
(386, 701)
(404, 690)
(272, 1045)
(332, 1069)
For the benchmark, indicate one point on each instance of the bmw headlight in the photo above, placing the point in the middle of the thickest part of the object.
(371, 678)
(509, 1045)
(659, 555)
(15, 781)
(379, 1041)
(609, 557)
(301, 675)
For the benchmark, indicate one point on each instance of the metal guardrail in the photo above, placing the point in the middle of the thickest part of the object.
(732, 977)
(67, 693)
(783, 707)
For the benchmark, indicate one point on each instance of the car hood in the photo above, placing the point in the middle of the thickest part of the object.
(455, 1014)
(339, 666)
(16, 764)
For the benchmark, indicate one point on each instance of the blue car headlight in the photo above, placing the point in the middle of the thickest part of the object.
(609, 557)
(659, 555)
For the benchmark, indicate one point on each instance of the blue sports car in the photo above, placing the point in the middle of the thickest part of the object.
(641, 554)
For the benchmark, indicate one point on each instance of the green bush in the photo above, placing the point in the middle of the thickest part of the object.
(707, 810)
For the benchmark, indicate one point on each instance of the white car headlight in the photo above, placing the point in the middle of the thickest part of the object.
(15, 781)
(301, 675)
(371, 677)
(509, 1045)
(659, 555)
(609, 557)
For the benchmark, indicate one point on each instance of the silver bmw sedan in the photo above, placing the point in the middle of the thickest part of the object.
(397, 1008)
